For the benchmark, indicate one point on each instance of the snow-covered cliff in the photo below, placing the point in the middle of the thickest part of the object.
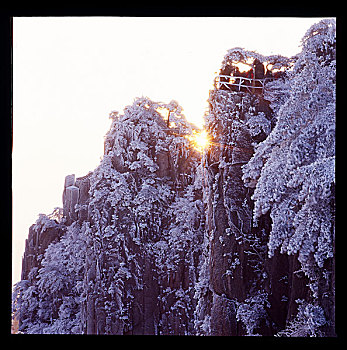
(237, 240)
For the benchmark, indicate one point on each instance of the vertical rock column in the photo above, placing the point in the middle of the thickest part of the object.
(70, 199)
(236, 248)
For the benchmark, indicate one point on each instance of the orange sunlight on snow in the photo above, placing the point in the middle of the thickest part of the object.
(200, 140)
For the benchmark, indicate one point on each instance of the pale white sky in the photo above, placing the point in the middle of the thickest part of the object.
(70, 72)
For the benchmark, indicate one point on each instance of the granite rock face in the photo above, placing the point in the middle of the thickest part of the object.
(123, 221)
(236, 249)
(163, 240)
(244, 289)
(49, 229)
(170, 272)
(239, 268)
(39, 238)
(150, 289)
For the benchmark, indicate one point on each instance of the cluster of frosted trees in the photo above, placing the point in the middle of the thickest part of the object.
(294, 172)
(144, 223)
(295, 166)
(146, 212)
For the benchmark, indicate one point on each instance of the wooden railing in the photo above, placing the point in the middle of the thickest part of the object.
(248, 84)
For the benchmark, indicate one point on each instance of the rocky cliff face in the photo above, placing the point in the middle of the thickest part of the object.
(160, 239)
(135, 223)
(248, 292)
(140, 265)
(236, 248)
(245, 287)
(41, 235)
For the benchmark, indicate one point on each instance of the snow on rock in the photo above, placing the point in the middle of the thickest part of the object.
(160, 239)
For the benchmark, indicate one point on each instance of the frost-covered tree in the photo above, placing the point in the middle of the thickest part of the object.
(252, 311)
(177, 258)
(125, 265)
(294, 168)
(135, 191)
(307, 322)
(49, 300)
(60, 281)
(161, 240)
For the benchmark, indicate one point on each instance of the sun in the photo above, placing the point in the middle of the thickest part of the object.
(201, 140)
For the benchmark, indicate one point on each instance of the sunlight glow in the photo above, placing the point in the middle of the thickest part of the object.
(163, 112)
(200, 140)
(243, 67)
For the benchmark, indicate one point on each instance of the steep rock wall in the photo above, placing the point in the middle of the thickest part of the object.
(240, 272)
(157, 240)
(236, 250)
(133, 227)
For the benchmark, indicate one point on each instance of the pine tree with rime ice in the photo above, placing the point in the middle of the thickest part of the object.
(141, 173)
(306, 323)
(61, 277)
(294, 168)
(178, 254)
(49, 301)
